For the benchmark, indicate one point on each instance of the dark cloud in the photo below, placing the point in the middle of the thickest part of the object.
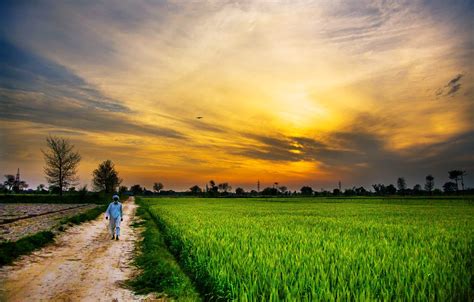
(361, 157)
(451, 88)
(22, 70)
(45, 109)
(37, 90)
(309, 149)
(454, 85)
(271, 148)
(455, 80)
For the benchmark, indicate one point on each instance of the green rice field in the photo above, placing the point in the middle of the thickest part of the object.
(322, 249)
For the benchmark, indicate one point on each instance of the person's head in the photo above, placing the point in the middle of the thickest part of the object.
(115, 198)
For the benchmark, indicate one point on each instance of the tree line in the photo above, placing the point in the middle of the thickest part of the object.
(62, 161)
(212, 189)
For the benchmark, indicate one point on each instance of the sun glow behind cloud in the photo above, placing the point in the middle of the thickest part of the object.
(294, 92)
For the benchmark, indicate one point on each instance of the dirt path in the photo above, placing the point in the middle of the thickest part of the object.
(84, 264)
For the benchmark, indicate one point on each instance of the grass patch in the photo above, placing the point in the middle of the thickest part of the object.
(321, 251)
(160, 272)
(11, 250)
(86, 216)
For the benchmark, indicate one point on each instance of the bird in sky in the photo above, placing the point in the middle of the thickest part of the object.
(199, 117)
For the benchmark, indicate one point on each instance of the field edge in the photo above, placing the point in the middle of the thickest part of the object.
(159, 271)
(12, 250)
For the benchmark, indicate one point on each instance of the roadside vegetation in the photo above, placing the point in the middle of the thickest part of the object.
(11, 250)
(159, 271)
(321, 249)
(86, 216)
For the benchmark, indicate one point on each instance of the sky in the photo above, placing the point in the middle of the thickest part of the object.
(294, 92)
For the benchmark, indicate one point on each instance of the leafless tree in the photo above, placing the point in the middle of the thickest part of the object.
(61, 163)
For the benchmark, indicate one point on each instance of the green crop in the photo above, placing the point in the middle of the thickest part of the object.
(313, 250)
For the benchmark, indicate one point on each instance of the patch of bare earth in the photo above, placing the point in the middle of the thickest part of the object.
(83, 264)
(20, 220)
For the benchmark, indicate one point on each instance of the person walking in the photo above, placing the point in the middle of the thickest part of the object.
(114, 212)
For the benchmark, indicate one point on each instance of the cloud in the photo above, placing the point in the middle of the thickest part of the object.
(362, 157)
(454, 85)
(338, 149)
(37, 90)
(25, 71)
(284, 88)
(47, 109)
(451, 88)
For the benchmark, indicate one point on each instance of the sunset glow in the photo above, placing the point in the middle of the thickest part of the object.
(294, 92)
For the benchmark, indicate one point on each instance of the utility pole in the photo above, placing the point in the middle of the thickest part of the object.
(258, 186)
(339, 185)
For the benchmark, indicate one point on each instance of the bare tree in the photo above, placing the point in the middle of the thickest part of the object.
(106, 178)
(61, 163)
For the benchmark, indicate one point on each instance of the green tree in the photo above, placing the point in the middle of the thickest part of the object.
(283, 189)
(450, 187)
(402, 185)
(429, 184)
(61, 162)
(224, 187)
(106, 178)
(213, 188)
(239, 191)
(391, 190)
(9, 182)
(123, 189)
(82, 191)
(269, 191)
(157, 187)
(41, 188)
(457, 175)
(195, 190)
(417, 189)
(306, 190)
(136, 189)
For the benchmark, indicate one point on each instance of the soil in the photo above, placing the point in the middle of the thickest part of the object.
(83, 264)
(35, 218)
